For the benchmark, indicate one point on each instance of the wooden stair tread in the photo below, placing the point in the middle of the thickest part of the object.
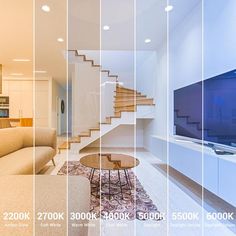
(126, 90)
(105, 123)
(130, 98)
(74, 140)
(123, 88)
(95, 129)
(147, 101)
(64, 146)
(115, 116)
(127, 108)
(84, 134)
(117, 113)
(126, 93)
(108, 121)
(132, 105)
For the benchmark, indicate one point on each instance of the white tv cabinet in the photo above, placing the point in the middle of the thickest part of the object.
(217, 173)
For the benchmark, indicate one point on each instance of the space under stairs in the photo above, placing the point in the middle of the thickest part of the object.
(128, 105)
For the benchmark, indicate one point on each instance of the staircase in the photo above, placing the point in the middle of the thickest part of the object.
(128, 105)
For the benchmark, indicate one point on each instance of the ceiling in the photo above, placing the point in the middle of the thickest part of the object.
(16, 39)
(32, 35)
(28, 32)
(49, 53)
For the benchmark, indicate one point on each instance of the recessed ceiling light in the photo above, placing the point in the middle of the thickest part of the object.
(16, 74)
(60, 40)
(147, 40)
(169, 8)
(106, 27)
(45, 8)
(21, 60)
(40, 71)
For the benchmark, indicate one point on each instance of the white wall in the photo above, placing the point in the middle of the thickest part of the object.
(70, 111)
(219, 37)
(85, 97)
(59, 92)
(119, 62)
(122, 136)
(183, 63)
(146, 74)
(152, 81)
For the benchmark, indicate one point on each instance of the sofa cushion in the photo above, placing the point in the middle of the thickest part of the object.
(11, 141)
(38, 136)
(21, 161)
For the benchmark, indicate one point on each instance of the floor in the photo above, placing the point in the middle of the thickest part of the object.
(170, 198)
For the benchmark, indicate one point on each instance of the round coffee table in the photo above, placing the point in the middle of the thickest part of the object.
(110, 162)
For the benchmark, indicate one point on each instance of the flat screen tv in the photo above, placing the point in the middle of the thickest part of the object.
(206, 110)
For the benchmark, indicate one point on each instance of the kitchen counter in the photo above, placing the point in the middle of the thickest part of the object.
(19, 121)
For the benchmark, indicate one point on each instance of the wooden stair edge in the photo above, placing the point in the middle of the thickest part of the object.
(85, 134)
(64, 146)
(123, 92)
(122, 110)
(128, 99)
(130, 96)
(95, 129)
(132, 105)
(115, 116)
(135, 100)
(104, 123)
(124, 88)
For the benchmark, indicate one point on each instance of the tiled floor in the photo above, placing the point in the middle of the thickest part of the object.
(167, 196)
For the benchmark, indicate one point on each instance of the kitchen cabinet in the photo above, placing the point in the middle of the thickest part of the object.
(21, 98)
(29, 100)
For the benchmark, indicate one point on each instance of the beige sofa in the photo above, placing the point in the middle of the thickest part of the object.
(24, 150)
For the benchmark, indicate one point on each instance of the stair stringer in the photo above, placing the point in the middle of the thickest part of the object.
(127, 118)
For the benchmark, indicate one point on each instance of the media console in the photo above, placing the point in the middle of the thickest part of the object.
(216, 173)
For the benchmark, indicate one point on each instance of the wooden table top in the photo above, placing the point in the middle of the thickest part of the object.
(109, 161)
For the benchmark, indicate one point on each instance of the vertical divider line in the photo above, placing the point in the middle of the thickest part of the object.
(135, 120)
(34, 108)
(67, 118)
(202, 72)
(100, 112)
(168, 120)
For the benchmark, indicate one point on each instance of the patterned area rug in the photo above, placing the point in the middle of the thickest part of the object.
(135, 202)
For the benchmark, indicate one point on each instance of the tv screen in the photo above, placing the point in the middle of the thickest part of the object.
(207, 110)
